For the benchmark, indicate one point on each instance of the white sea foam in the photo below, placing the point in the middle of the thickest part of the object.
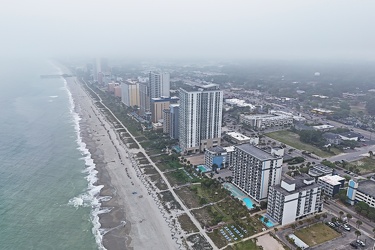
(91, 196)
(53, 96)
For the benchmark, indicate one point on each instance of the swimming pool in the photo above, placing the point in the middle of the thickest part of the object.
(248, 203)
(203, 168)
(269, 222)
(237, 193)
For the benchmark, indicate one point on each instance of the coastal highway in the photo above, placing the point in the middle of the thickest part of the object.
(354, 155)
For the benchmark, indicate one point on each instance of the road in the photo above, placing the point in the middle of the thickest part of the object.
(357, 154)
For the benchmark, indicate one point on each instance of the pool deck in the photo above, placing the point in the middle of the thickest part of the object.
(237, 193)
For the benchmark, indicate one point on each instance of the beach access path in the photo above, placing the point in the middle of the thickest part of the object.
(170, 188)
(134, 220)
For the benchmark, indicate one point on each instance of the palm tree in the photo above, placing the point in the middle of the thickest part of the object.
(341, 214)
(357, 233)
(349, 216)
(358, 223)
(317, 217)
(265, 220)
(324, 216)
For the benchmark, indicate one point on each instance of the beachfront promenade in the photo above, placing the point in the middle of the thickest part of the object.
(170, 188)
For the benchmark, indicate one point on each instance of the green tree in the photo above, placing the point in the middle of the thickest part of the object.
(214, 167)
(349, 216)
(357, 233)
(265, 220)
(317, 216)
(358, 223)
(341, 214)
(324, 216)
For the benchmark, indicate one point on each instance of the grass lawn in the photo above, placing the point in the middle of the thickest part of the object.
(246, 245)
(316, 234)
(179, 177)
(189, 197)
(292, 139)
(186, 224)
(365, 165)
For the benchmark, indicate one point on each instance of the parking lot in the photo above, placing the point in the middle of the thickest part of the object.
(343, 242)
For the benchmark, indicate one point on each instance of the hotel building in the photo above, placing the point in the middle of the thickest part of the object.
(200, 117)
(294, 199)
(255, 170)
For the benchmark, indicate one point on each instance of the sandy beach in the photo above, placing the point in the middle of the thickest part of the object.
(134, 220)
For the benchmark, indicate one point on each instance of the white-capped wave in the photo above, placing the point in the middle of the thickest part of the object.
(76, 202)
(91, 196)
(53, 96)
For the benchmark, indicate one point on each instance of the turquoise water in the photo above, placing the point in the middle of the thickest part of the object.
(43, 175)
(248, 203)
(203, 168)
(268, 224)
(237, 193)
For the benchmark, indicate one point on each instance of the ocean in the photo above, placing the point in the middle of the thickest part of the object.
(47, 196)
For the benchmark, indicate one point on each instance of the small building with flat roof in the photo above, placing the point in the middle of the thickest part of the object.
(238, 138)
(324, 127)
(331, 184)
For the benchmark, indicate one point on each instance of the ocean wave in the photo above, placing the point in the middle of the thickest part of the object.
(91, 197)
(53, 96)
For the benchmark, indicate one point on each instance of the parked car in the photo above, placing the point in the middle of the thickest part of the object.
(354, 245)
(331, 224)
(361, 243)
(346, 227)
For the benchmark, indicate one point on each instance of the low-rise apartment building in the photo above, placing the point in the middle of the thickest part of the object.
(331, 184)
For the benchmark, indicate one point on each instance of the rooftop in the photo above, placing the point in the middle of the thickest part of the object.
(229, 149)
(201, 87)
(216, 149)
(330, 135)
(350, 134)
(267, 116)
(323, 168)
(256, 152)
(367, 187)
(332, 179)
(325, 126)
(300, 185)
(238, 136)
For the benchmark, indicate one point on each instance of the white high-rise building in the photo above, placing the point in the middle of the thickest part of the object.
(159, 84)
(255, 170)
(294, 199)
(200, 117)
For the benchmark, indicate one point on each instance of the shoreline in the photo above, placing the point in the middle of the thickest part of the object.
(129, 221)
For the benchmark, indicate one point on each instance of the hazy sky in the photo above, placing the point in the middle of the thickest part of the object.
(193, 28)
